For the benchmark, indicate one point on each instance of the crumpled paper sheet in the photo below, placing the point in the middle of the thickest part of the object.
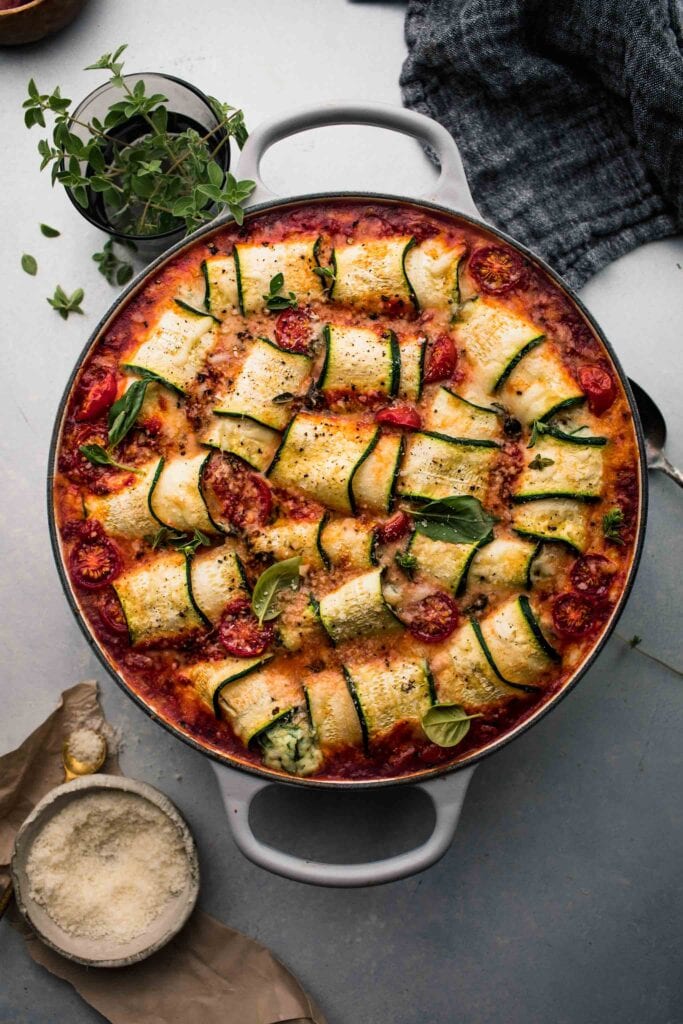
(208, 971)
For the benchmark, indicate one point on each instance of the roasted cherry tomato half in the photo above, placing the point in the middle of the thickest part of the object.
(496, 270)
(94, 563)
(433, 618)
(592, 575)
(294, 330)
(577, 615)
(442, 359)
(98, 396)
(598, 387)
(405, 417)
(394, 528)
(245, 498)
(240, 633)
(111, 612)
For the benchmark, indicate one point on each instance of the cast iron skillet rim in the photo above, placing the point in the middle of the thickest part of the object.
(269, 777)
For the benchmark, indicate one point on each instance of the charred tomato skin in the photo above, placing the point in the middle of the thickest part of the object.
(433, 618)
(394, 528)
(442, 359)
(404, 417)
(94, 563)
(577, 615)
(240, 633)
(598, 386)
(111, 612)
(496, 269)
(97, 396)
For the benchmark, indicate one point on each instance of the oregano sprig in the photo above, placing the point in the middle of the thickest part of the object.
(274, 300)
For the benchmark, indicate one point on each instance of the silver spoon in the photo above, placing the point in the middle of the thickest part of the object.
(654, 429)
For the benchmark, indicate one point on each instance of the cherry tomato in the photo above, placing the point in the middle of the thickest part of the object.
(406, 417)
(495, 269)
(442, 359)
(94, 563)
(598, 387)
(433, 618)
(245, 498)
(240, 633)
(592, 575)
(111, 612)
(394, 528)
(576, 615)
(98, 397)
(294, 330)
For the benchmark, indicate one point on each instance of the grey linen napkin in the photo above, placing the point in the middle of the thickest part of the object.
(568, 115)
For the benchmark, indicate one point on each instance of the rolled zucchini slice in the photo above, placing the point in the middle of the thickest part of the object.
(553, 520)
(372, 273)
(296, 626)
(432, 269)
(389, 691)
(209, 677)
(332, 712)
(287, 538)
(266, 373)
(347, 542)
(505, 562)
(464, 675)
(495, 340)
(216, 577)
(220, 277)
(412, 351)
(258, 700)
(126, 513)
(435, 466)
(573, 468)
(359, 360)
(175, 348)
(357, 608)
(257, 264)
(251, 441)
(157, 600)
(450, 414)
(375, 478)
(320, 455)
(176, 499)
(448, 563)
(514, 641)
(291, 745)
(539, 386)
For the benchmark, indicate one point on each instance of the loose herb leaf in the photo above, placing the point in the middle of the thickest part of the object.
(116, 270)
(404, 560)
(635, 640)
(188, 546)
(49, 232)
(326, 274)
(276, 302)
(284, 398)
(277, 577)
(538, 429)
(612, 523)
(99, 456)
(65, 304)
(447, 724)
(29, 264)
(124, 412)
(540, 462)
(458, 520)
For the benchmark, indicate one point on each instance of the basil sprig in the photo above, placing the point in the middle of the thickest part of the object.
(457, 520)
(280, 576)
(125, 411)
(447, 724)
(274, 301)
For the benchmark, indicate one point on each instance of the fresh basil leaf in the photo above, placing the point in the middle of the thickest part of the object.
(49, 232)
(277, 577)
(99, 456)
(457, 520)
(124, 412)
(447, 724)
(276, 283)
(29, 264)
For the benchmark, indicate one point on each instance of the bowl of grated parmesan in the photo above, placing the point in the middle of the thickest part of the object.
(105, 870)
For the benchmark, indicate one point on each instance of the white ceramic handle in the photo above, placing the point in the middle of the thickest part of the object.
(451, 188)
(446, 793)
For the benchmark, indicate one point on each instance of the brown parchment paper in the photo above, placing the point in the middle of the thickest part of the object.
(208, 971)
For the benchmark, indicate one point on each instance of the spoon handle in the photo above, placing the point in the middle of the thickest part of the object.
(663, 463)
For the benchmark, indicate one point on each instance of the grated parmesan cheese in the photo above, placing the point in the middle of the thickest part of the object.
(107, 865)
(85, 745)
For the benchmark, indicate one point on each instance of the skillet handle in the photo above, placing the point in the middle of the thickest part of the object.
(451, 188)
(446, 793)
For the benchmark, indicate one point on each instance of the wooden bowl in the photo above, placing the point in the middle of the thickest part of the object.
(36, 20)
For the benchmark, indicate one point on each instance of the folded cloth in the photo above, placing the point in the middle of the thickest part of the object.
(568, 116)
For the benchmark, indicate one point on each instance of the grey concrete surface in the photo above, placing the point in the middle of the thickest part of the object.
(560, 900)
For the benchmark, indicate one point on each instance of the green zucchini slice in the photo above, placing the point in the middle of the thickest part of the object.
(175, 348)
(332, 711)
(464, 675)
(287, 538)
(216, 577)
(357, 608)
(258, 700)
(320, 454)
(435, 466)
(553, 520)
(388, 691)
(448, 563)
(515, 643)
(347, 542)
(505, 562)
(359, 360)
(369, 274)
(412, 351)
(220, 276)
(266, 373)
(157, 600)
(375, 478)
(450, 414)
(257, 264)
(539, 386)
(574, 468)
(126, 513)
(176, 499)
(432, 269)
(251, 441)
(495, 340)
(209, 677)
